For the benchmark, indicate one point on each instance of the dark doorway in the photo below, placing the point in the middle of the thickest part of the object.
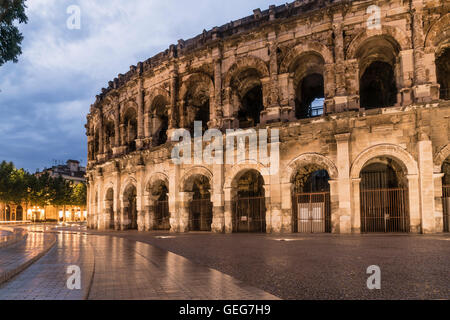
(384, 198)
(200, 210)
(310, 94)
(252, 105)
(249, 206)
(377, 86)
(443, 73)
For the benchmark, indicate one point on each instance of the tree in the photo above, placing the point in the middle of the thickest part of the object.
(11, 12)
(79, 192)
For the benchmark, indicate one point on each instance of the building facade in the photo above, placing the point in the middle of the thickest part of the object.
(358, 91)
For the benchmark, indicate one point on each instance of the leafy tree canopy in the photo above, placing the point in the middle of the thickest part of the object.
(12, 12)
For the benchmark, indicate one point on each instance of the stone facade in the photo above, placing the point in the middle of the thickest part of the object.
(276, 62)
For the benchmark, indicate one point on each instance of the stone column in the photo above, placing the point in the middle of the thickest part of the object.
(343, 164)
(414, 203)
(173, 113)
(438, 203)
(228, 214)
(426, 181)
(407, 75)
(140, 115)
(218, 199)
(186, 198)
(116, 149)
(352, 80)
(287, 208)
(174, 188)
(272, 110)
(356, 205)
(217, 113)
(117, 196)
(140, 174)
(100, 137)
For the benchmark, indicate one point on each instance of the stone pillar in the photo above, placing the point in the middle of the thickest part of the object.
(272, 110)
(352, 80)
(356, 205)
(174, 188)
(287, 96)
(100, 136)
(218, 199)
(228, 214)
(140, 174)
(270, 223)
(426, 181)
(287, 208)
(217, 114)
(343, 164)
(116, 204)
(414, 203)
(173, 101)
(406, 77)
(117, 135)
(438, 203)
(140, 115)
(186, 198)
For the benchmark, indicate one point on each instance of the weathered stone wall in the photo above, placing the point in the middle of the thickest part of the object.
(276, 49)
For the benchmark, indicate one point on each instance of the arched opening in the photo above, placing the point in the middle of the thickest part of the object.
(443, 73)
(109, 137)
(109, 208)
(160, 194)
(159, 120)
(378, 61)
(309, 86)
(384, 197)
(19, 213)
(446, 194)
(249, 208)
(248, 95)
(7, 213)
(130, 134)
(197, 106)
(200, 207)
(311, 201)
(130, 208)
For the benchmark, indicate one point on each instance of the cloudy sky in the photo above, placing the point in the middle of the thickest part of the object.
(44, 98)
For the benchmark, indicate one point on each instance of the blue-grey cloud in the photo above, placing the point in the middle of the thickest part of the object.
(45, 98)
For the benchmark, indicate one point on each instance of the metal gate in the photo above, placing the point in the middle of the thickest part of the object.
(312, 212)
(162, 215)
(249, 215)
(385, 210)
(446, 207)
(200, 215)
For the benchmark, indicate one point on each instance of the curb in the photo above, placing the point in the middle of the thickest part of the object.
(6, 276)
(17, 235)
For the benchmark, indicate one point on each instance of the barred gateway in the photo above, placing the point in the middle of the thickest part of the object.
(363, 115)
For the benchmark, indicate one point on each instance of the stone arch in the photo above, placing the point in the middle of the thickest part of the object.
(439, 33)
(395, 152)
(308, 159)
(305, 48)
(154, 178)
(192, 79)
(129, 181)
(238, 170)
(440, 157)
(242, 64)
(129, 104)
(154, 93)
(189, 177)
(392, 34)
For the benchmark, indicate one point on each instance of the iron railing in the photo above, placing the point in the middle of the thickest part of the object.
(200, 218)
(249, 214)
(384, 210)
(312, 213)
(162, 215)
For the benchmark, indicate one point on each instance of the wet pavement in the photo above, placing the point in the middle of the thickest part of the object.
(117, 268)
(158, 266)
(320, 267)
